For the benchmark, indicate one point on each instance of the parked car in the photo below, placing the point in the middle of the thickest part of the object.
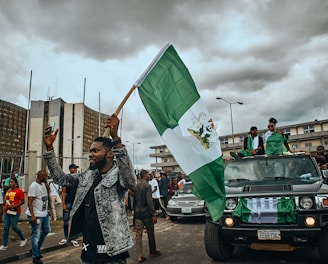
(184, 203)
(277, 203)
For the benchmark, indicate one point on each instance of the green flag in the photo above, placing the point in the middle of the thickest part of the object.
(171, 99)
(266, 210)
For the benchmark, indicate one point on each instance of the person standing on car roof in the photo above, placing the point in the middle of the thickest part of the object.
(275, 139)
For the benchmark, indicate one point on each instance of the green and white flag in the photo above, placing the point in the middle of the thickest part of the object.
(171, 99)
(266, 210)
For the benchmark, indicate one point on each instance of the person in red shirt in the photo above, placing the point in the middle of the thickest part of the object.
(14, 198)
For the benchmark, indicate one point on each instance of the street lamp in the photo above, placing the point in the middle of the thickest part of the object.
(133, 143)
(72, 147)
(231, 103)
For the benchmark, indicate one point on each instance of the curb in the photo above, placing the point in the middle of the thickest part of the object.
(28, 254)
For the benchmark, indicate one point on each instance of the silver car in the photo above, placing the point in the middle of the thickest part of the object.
(185, 204)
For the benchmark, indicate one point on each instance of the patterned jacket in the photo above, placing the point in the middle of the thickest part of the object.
(109, 199)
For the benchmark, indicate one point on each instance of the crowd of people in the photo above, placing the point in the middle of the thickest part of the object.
(95, 201)
(274, 142)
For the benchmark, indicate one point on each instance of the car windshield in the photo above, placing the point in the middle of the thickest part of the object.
(259, 169)
(186, 189)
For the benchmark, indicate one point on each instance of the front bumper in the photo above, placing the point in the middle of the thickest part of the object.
(294, 235)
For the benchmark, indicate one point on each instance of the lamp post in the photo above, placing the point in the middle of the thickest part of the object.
(133, 143)
(232, 134)
(72, 147)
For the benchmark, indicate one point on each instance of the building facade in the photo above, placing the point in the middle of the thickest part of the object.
(78, 126)
(302, 137)
(12, 137)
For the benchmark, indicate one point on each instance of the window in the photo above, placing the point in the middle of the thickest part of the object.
(308, 145)
(224, 141)
(287, 131)
(308, 129)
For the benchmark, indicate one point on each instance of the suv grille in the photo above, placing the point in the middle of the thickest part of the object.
(267, 188)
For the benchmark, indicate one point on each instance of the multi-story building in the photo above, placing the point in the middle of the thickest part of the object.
(164, 161)
(12, 137)
(78, 126)
(303, 137)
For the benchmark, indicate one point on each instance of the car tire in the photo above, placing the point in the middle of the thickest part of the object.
(323, 245)
(215, 246)
(173, 218)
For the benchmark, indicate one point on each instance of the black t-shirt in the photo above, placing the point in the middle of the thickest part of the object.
(71, 191)
(94, 248)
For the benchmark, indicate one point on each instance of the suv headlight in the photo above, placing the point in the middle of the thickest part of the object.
(171, 202)
(201, 203)
(306, 202)
(230, 204)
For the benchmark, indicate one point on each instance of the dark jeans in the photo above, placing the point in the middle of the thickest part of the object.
(10, 220)
(148, 223)
(66, 218)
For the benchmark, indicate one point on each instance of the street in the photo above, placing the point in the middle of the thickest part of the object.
(183, 242)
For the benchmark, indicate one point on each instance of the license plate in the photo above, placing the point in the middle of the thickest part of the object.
(268, 234)
(186, 210)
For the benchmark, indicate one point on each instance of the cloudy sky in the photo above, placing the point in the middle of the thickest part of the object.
(270, 55)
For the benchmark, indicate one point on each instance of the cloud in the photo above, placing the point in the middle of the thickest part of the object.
(270, 55)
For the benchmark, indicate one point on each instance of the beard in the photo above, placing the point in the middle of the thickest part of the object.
(99, 164)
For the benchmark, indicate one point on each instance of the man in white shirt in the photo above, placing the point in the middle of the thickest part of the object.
(37, 213)
(156, 194)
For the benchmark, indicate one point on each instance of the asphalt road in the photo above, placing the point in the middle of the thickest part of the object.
(183, 242)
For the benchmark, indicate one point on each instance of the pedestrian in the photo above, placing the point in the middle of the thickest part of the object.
(38, 213)
(98, 212)
(68, 196)
(55, 198)
(145, 216)
(14, 198)
(14, 174)
(163, 190)
(154, 183)
(1, 201)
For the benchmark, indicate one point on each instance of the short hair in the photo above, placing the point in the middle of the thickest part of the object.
(106, 142)
(320, 146)
(143, 173)
(273, 120)
(15, 180)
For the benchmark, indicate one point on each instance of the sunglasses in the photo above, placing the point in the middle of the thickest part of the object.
(269, 126)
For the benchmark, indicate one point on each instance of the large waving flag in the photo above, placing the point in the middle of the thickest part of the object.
(170, 97)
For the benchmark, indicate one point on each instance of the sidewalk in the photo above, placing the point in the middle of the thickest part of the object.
(15, 252)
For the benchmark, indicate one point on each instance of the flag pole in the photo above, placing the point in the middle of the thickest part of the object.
(137, 84)
(119, 108)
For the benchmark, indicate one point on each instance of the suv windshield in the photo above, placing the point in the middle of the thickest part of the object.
(270, 167)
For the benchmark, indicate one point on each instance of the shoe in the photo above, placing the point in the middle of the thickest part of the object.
(156, 254)
(23, 243)
(37, 261)
(142, 259)
(55, 219)
(63, 241)
(75, 243)
(3, 247)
